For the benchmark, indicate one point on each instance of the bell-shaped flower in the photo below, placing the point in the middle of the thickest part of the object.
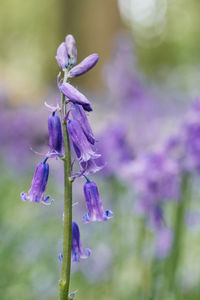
(71, 49)
(75, 96)
(62, 56)
(55, 134)
(94, 204)
(81, 145)
(77, 250)
(84, 66)
(79, 114)
(39, 183)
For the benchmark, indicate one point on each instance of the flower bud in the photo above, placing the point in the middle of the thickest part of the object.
(62, 56)
(84, 66)
(55, 134)
(71, 49)
(74, 95)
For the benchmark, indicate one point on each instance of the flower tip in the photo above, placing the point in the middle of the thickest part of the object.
(23, 197)
(108, 215)
(87, 107)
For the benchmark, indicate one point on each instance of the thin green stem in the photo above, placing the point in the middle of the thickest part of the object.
(178, 231)
(67, 231)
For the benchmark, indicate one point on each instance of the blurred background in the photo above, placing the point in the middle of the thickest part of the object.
(141, 89)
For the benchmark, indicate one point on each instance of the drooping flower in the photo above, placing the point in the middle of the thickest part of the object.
(62, 56)
(79, 114)
(84, 66)
(77, 250)
(55, 134)
(81, 145)
(39, 183)
(94, 204)
(71, 49)
(75, 96)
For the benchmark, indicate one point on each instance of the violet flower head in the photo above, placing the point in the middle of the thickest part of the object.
(94, 204)
(77, 250)
(55, 134)
(79, 114)
(84, 66)
(62, 56)
(71, 49)
(39, 183)
(75, 96)
(81, 145)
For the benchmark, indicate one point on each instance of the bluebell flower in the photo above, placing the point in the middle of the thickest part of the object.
(77, 250)
(73, 95)
(84, 66)
(71, 49)
(79, 114)
(55, 134)
(81, 145)
(94, 204)
(39, 183)
(62, 56)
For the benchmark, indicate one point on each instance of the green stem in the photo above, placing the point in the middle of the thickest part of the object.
(67, 231)
(178, 231)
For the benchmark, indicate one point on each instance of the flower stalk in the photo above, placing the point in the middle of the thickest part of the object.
(67, 231)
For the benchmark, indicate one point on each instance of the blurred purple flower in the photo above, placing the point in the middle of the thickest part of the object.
(94, 204)
(84, 66)
(156, 180)
(39, 183)
(164, 240)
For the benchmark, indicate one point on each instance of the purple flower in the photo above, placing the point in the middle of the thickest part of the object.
(75, 96)
(39, 183)
(77, 250)
(84, 66)
(94, 204)
(156, 180)
(62, 56)
(81, 145)
(79, 114)
(71, 49)
(55, 134)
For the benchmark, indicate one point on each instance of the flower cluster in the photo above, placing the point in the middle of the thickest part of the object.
(73, 116)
